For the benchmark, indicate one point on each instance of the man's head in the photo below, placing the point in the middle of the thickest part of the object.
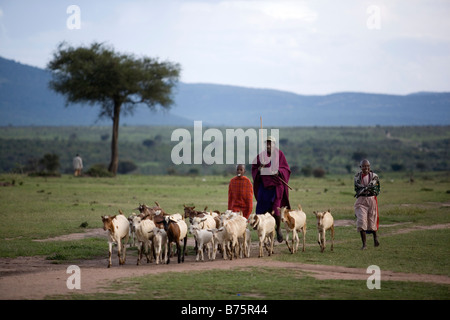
(365, 166)
(270, 143)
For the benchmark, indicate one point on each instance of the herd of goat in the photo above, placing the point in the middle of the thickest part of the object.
(154, 231)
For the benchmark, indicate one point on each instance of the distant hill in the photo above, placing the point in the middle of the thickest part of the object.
(25, 99)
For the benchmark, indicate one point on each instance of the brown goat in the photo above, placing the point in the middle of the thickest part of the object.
(149, 213)
(176, 231)
(190, 213)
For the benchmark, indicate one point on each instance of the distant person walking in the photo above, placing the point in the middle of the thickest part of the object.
(240, 193)
(367, 187)
(77, 165)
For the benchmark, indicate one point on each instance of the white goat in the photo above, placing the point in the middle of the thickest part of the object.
(118, 232)
(176, 217)
(206, 222)
(325, 222)
(265, 226)
(294, 221)
(144, 234)
(220, 239)
(205, 240)
(160, 240)
(132, 232)
(245, 248)
(235, 228)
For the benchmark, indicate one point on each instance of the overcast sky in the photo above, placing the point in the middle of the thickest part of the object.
(306, 47)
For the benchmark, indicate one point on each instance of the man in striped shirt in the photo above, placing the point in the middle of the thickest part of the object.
(240, 193)
(367, 188)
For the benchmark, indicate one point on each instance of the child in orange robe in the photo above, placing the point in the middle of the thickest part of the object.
(240, 193)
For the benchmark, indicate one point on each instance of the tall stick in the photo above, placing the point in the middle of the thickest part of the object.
(261, 132)
(284, 182)
(261, 144)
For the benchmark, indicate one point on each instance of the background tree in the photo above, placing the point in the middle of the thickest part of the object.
(50, 162)
(97, 75)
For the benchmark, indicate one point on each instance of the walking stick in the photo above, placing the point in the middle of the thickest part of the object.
(284, 182)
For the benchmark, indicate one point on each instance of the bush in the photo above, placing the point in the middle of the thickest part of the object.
(48, 166)
(148, 143)
(397, 167)
(306, 171)
(359, 155)
(126, 166)
(99, 170)
(421, 166)
(193, 172)
(50, 162)
(171, 171)
(319, 172)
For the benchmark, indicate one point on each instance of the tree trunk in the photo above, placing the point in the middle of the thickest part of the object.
(115, 139)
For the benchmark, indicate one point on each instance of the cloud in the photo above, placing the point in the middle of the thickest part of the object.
(302, 46)
(3, 33)
(289, 10)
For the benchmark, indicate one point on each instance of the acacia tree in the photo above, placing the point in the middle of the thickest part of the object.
(97, 75)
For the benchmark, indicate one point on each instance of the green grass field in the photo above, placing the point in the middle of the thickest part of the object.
(39, 208)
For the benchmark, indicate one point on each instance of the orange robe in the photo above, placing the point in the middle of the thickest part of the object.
(240, 195)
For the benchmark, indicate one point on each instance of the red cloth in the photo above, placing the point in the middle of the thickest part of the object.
(282, 191)
(378, 215)
(240, 195)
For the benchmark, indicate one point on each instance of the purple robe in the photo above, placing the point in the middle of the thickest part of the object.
(280, 197)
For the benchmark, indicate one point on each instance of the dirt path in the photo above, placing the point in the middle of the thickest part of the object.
(36, 278)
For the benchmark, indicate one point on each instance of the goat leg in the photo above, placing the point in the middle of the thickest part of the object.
(119, 252)
(271, 240)
(139, 256)
(304, 238)
(109, 256)
(169, 253)
(322, 240)
(295, 241)
(179, 252)
(184, 248)
(332, 237)
(287, 242)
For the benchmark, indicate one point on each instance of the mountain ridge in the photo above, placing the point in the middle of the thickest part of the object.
(25, 99)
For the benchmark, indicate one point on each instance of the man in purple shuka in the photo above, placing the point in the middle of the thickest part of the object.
(270, 182)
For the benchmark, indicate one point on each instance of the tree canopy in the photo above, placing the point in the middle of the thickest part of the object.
(97, 75)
